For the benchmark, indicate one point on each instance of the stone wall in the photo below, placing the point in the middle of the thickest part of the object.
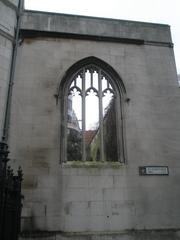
(7, 31)
(104, 197)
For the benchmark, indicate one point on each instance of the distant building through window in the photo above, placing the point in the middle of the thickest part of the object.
(92, 122)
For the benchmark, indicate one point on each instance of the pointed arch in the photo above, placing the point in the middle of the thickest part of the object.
(96, 61)
(75, 143)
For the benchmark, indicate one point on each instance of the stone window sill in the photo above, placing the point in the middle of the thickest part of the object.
(80, 164)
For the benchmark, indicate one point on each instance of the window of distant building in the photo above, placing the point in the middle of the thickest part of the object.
(92, 113)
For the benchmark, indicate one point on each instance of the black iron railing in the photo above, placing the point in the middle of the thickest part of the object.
(10, 197)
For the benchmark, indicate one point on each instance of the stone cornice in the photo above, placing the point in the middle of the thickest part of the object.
(24, 33)
(10, 5)
(93, 27)
(6, 35)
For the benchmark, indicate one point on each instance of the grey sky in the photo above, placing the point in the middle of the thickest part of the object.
(157, 11)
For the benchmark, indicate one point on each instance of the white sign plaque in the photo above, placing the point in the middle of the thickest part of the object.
(154, 170)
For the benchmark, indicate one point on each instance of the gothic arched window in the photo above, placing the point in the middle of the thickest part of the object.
(92, 125)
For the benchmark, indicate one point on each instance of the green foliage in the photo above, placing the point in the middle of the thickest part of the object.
(74, 143)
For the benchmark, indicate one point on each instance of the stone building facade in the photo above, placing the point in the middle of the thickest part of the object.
(137, 194)
(9, 11)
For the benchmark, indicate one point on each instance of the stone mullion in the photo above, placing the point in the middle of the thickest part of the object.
(83, 117)
(101, 117)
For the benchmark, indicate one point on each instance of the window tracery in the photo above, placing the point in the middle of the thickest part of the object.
(92, 123)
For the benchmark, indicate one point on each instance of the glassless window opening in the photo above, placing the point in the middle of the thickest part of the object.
(92, 110)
